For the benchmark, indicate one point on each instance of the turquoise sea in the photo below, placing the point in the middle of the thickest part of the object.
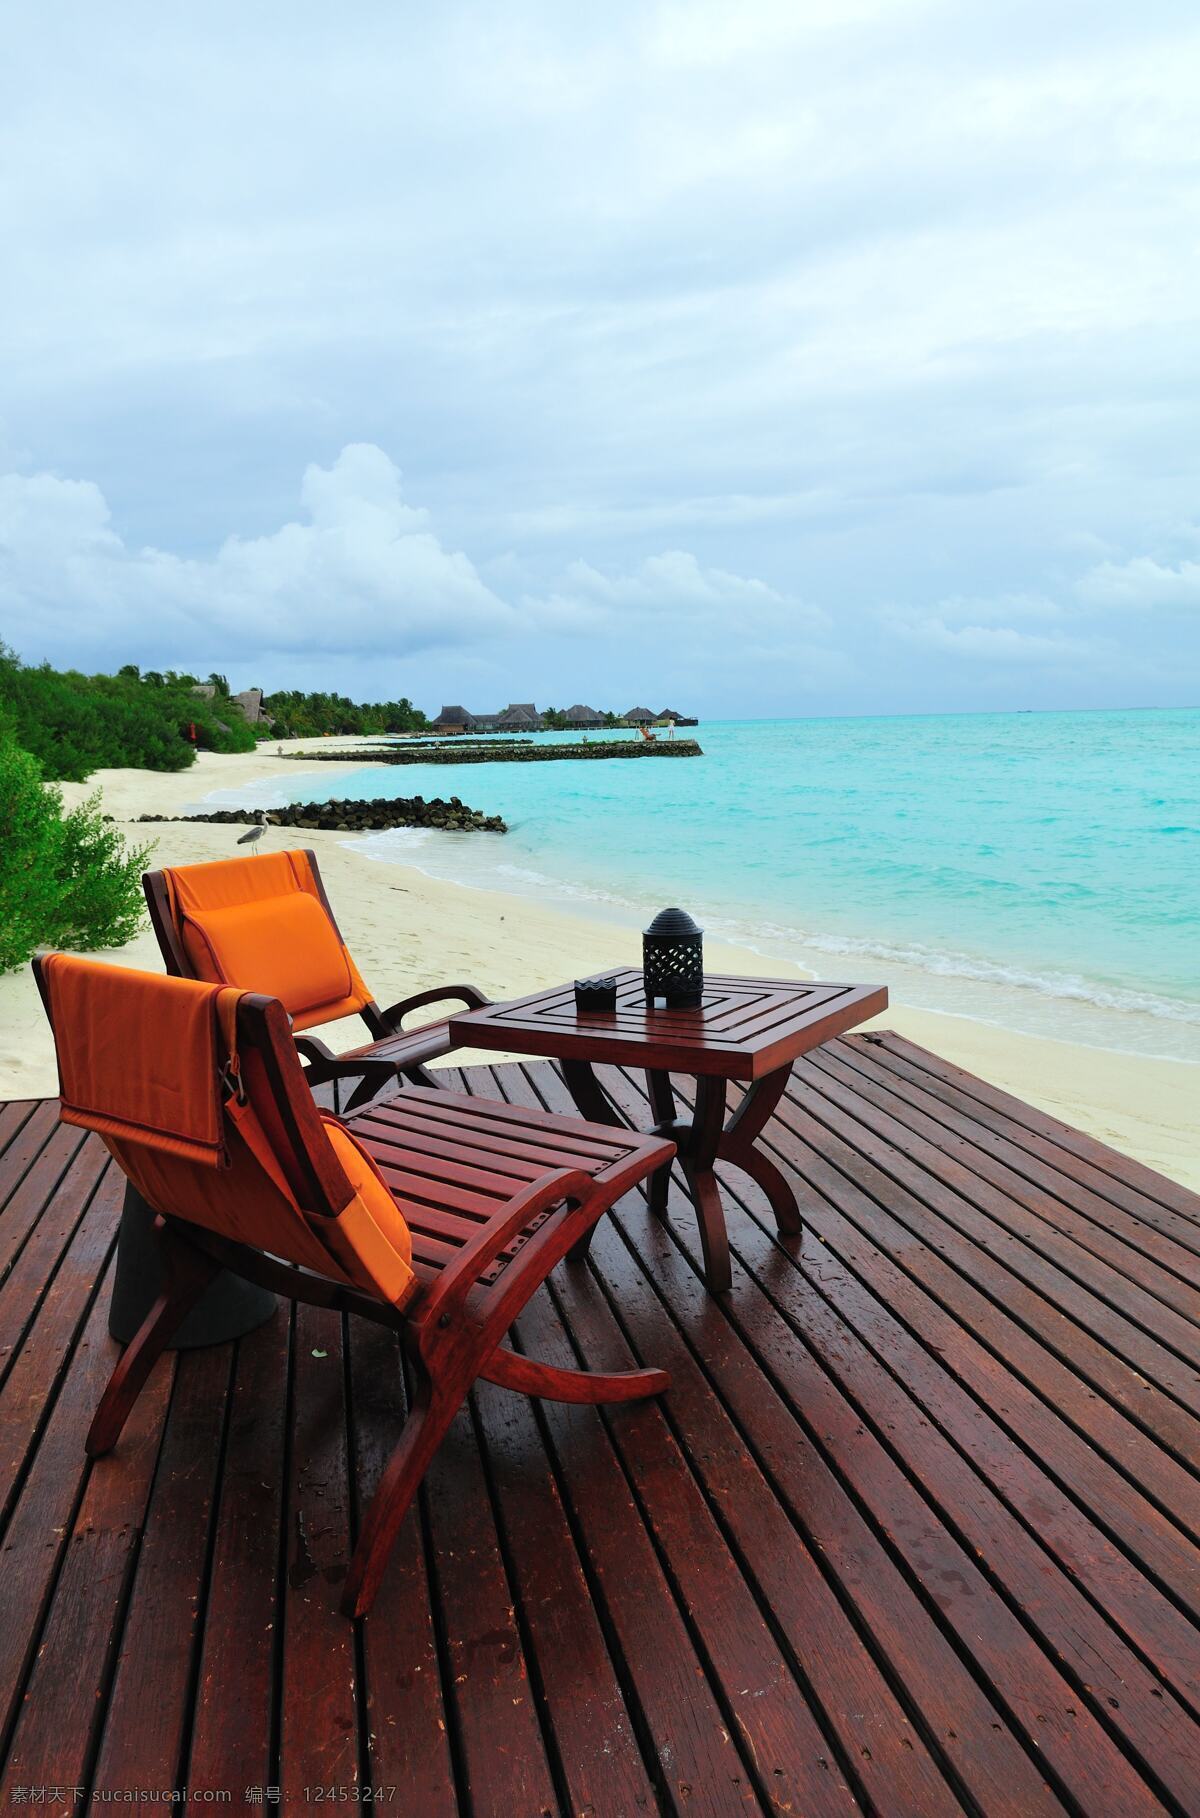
(1040, 871)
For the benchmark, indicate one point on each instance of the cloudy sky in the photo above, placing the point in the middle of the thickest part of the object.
(773, 358)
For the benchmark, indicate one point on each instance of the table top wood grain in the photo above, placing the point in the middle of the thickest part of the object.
(744, 1028)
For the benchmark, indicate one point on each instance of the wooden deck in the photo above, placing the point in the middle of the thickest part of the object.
(915, 1530)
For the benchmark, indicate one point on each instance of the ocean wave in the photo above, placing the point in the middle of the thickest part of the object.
(758, 935)
(1047, 984)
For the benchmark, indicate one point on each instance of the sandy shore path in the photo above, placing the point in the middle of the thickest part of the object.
(408, 931)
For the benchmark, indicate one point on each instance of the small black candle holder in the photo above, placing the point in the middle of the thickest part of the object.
(673, 960)
(596, 994)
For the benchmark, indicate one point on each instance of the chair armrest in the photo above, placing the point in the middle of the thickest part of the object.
(462, 994)
(324, 1065)
(448, 1295)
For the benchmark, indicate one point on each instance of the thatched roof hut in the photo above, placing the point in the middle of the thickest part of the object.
(520, 716)
(639, 716)
(583, 716)
(454, 719)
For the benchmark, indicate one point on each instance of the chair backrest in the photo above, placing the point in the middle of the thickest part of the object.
(199, 1094)
(262, 924)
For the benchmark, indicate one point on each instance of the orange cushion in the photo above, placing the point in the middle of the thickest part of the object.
(283, 946)
(369, 1237)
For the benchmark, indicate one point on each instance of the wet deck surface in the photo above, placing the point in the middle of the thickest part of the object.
(915, 1530)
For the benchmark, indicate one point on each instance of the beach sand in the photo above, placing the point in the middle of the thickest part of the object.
(408, 931)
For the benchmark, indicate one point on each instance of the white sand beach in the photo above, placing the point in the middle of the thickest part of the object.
(409, 931)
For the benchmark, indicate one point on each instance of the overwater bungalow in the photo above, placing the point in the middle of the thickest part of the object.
(583, 718)
(639, 716)
(519, 716)
(454, 719)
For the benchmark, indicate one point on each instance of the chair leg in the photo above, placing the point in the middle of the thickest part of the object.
(188, 1273)
(510, 1370)
(428, 1419)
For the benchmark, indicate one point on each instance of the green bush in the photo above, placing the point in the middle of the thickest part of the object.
(76, 723)
(67, 878)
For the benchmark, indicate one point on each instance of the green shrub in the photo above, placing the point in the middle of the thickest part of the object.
(67, 878)
(76, 723)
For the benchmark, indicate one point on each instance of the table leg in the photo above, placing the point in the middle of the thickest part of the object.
(588, 1095)
(702, 1142)
(738, 1146)
(699, 1147)
(662, 1103)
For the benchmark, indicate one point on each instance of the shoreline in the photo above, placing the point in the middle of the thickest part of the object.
(440, 931)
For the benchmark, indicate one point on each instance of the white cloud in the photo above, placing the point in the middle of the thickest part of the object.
(359, 573)
(1142, 583)
(672, 587)
(1001, 608)
(885, 301)
(996, 645)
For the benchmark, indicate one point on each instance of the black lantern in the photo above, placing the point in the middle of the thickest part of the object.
(673, 960)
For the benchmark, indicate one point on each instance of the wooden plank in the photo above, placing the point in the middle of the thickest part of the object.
(886, 1755)
(819, 1372)
(319, 1726)
(65, 1694)
(235, 1708)
(65, 1204)
(1088, 1235)
(45, 1504)
(884, 1742)
(791, 1758)
(553, 1616)
(148, 1718)
(698, 1760)
(14, 1115)
(890, 1139)
(969, 1730)
(34, 1191)
(928, 1501)
(588, 1720)
(1073, 1341)
(686, 1745)
(407, 1737)
(495, 1719)
(20, 1152)
(42, 1357)
(1027, 1449)
(1040, 1440)
(1147, 1189)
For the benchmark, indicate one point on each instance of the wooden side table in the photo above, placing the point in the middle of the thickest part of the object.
(746, 1029)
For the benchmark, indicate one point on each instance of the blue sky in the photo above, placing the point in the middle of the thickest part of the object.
(774, 358)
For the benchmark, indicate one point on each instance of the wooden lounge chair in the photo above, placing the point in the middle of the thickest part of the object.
(433, 1213)
(265, 924)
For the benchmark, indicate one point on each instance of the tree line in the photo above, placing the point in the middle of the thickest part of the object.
(298, 716)
(555, 719)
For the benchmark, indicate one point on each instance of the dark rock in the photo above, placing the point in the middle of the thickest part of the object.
(595, 750)
(356, 817)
